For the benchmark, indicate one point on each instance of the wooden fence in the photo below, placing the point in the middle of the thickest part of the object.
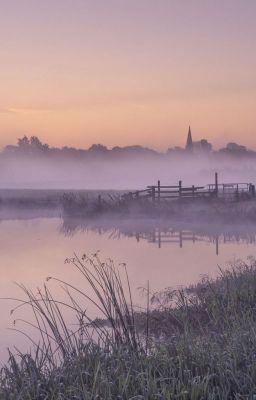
(229, 191)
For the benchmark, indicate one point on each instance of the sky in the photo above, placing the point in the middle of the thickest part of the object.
(122, 72)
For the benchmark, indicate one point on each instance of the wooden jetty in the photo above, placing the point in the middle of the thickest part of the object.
(226, 191)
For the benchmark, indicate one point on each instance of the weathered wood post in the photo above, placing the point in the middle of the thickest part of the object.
(253, 190)
(193, 191)
(216, 184)
(158, 191)
(180, 188)
(153, 193)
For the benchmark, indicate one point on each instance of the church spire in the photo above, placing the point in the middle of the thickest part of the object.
(189, 144)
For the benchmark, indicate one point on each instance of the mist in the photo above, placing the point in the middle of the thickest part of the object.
(130, 173)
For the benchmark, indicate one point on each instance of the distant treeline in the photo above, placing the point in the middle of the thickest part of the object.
(34, 147)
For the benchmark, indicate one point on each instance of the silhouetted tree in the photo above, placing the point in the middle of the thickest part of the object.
(35, 142)
(235, 147)
(31, 146)
(23, 143)
(98, 149)
(37, 145)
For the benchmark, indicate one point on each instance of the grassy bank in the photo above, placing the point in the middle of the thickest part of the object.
(29, 199)
(92, 205)
(196, 343)
(116, 206)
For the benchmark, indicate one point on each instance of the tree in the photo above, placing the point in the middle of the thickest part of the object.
(32, 145)
(36, 143)
(98, 148)
(23, 143)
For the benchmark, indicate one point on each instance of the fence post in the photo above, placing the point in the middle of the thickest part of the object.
(180, 188)
(153, 193)
(216, 184)
(159, 190)
(253, 190)
(193, 191)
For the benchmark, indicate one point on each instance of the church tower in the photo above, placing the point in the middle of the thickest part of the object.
(189, 144)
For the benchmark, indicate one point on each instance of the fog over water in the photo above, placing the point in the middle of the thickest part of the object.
(36, 240)
(126, 173)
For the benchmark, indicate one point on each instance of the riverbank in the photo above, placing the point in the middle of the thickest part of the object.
(196, 343)
(184, 210)
(110, 205)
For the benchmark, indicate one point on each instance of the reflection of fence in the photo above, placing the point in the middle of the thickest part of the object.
(157, 235)
(161, 237)
(229, 191)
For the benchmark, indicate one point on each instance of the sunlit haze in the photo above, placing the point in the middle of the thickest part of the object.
(77, 72)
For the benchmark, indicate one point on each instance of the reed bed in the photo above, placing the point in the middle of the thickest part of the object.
(190, 210)
(96, 204)
(195, 343)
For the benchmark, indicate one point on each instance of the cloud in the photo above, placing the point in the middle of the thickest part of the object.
(7, 110)
(27, 110)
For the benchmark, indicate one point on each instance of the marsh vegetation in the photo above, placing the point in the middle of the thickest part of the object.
(116, 206)
(193, 343)
(91, 206)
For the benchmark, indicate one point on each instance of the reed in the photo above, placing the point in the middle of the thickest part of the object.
(183, 210)
(200, 341)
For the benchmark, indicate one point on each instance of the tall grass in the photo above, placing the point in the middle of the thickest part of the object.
(189, 210)
(200, 342)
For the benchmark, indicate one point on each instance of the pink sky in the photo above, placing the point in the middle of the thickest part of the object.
(121, 72)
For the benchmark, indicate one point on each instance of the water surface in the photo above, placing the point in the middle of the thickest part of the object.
(163, 254)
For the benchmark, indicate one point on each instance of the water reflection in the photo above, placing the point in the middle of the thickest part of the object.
(161, 234)
(162, 252)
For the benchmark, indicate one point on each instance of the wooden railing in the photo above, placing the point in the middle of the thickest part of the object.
(225, 190)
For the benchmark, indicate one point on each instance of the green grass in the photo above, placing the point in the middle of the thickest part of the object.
(197, 343)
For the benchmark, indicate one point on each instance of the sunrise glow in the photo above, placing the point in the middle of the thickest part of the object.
(124, 72)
